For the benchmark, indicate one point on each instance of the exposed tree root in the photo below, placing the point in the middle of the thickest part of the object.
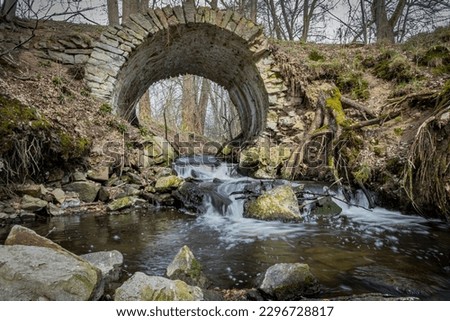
(426, 174)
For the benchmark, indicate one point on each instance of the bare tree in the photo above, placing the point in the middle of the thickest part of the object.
(113, 12)
(8, 10)
(129, 7)
(385, 25)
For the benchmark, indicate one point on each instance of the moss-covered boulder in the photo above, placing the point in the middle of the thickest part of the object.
(280, 203)
(121, 203)
(187, 268)
(289, 281)
(168, 183)
(263, 161)
(141, 287)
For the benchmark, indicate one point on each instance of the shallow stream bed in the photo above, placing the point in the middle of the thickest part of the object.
(357, 251)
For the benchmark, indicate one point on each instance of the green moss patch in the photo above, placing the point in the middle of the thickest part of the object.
(354, 84)
(393, 66)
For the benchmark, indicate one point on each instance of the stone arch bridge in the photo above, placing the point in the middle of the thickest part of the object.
(222, 46)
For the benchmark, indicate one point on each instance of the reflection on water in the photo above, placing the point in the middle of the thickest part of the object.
(358, 251)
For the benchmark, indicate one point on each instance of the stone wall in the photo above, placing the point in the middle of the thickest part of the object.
(220, 45)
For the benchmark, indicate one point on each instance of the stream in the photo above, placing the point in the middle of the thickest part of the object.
(357, 251)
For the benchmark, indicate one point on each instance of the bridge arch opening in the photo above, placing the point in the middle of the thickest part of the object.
(202, 49)
(159, 44)
(191, 104)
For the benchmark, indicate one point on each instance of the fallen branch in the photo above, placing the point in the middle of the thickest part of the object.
(378, 120)
(349, 103)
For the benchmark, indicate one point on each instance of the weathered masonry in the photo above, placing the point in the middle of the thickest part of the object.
(222, 46)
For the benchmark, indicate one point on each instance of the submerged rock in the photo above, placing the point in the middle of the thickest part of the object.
(326, 206)
(280, 203)
(187, 268)
(31, 273)
(289, 281)
(383, 279)
(141, 287)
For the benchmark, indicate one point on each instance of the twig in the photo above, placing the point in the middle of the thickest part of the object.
(374, 121)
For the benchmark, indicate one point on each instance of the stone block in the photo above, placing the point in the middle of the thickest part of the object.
(111, 40)
(189, 12)
(178, 11)
(143, 22)
(162, 18)
(226, 18)
(112, 49)
(61, 57)
(81, 59)
(154, 19)
(67, 44)
(137, 31)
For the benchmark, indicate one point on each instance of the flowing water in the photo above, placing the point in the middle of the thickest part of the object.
(357, 251)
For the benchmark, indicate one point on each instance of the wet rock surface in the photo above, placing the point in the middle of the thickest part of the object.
(292, 281)
(141, 287)
(39, 273)
(187, 268)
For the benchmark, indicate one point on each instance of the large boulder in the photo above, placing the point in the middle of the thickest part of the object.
(289, 281)
(279, 203)
(31, 273)
(109, 262)
(86, 190)
(187, 268)
(20, 235)
(141, 287)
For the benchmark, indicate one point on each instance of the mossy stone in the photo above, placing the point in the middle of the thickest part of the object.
(168, 183)
(280, 203)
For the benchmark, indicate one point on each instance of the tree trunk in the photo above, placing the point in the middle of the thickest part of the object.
(129, 7)
(188, 104)
(276, 22)
(8, 10)
(200, 111)
(253, 9)
(384, 30)
(364, 22)
(308, 11)
(145, 112)
(113, 12)
(143, 6)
